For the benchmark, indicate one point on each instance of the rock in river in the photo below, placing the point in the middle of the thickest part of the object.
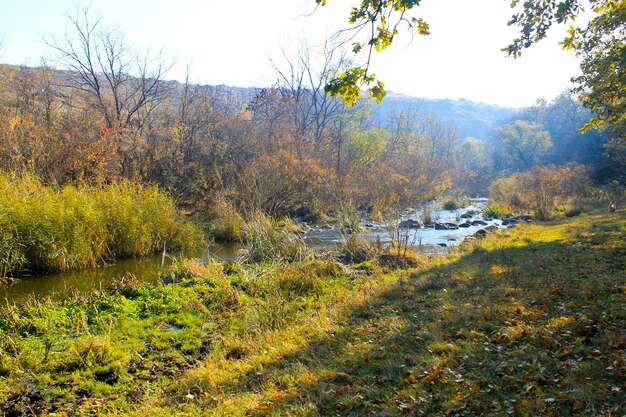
(509, 221)
(479, 223)
(480, 233)
(411, 224)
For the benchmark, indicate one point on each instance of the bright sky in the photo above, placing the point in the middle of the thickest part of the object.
(231, 43)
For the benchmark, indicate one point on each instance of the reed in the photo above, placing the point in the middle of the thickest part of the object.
(49, 228)
(267, 241)
(225, 223)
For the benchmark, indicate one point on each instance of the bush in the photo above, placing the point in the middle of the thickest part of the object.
(225, 222)
(455, 202)
(192, 268)
(496, 211)
(450, 205)
(573, 212)
(401, 257)
(357, 249)
(505, 192)
(427, 215)
(279, 182)
(348, 218)
(543, 190)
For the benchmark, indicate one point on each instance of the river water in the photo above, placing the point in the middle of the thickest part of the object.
(320, 237)
(60, 284)
(427, 239)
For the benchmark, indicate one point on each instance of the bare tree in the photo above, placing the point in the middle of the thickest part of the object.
(302, 76)
(270, 107)
(125, 86)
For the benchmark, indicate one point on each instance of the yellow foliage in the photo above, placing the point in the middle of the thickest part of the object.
(560, 322)
(13, 122)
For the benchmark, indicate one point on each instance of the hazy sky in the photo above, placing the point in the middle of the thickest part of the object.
(231, 43)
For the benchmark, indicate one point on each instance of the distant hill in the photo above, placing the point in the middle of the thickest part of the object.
(469, 118)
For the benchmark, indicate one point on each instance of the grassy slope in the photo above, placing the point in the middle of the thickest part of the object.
(531, 322)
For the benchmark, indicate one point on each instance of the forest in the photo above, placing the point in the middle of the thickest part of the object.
(286, 149)
(103, 157)
(283, 150)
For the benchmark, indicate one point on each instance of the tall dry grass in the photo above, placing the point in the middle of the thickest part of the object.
(49, 228)
(267, 240)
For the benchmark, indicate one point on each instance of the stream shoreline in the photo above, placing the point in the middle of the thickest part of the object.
(430, 229)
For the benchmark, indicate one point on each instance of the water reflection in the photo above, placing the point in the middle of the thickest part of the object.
(428, 240)
(146, 269)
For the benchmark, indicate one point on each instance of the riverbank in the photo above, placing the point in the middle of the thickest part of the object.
(48, 228)
(526, 321)
(447, 228)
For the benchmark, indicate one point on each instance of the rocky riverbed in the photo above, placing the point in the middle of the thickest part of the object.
(429, 227)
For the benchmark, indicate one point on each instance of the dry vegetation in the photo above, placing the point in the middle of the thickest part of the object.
(527, 322)
(49, 228)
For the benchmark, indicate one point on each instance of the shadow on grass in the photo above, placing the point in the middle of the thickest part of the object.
(533, 323)
(532, 329)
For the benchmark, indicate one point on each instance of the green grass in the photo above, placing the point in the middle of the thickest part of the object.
(48, 228)
(527, 322)
(496, 211)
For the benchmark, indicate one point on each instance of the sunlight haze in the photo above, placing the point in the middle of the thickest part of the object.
(233, 45)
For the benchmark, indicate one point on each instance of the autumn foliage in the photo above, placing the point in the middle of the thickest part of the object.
(543, 190)
(204, 146)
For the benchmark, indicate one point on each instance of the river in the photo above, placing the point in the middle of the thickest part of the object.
(61, 284)
(320, 237)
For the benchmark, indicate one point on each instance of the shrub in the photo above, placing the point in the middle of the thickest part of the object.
(427, 215)
(496, 211)
(505, 192)
(543, 190)
(357, 249)
(278, 183)
(455, 202)
(402, 258)
(225, 222)
(573, 212)
(126, 284)
(192, 268)
(348, 219)
(450, 205)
